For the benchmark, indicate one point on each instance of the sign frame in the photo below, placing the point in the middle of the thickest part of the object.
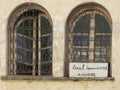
(88, 69)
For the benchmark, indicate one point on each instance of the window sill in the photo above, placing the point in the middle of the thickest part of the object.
(55, 78)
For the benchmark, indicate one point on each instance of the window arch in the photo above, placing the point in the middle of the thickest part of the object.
(30, 41)
(88, 35)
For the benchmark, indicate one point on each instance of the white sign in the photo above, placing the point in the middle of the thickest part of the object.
(88, 69)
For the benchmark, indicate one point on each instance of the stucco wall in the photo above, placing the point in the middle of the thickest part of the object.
(59, 11)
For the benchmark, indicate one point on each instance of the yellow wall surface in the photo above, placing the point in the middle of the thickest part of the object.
(59, 11)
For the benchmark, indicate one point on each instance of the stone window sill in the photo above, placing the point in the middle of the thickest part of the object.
(55, 78)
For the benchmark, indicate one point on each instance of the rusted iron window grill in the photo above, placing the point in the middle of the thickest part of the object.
(31, 44)
(90, 38)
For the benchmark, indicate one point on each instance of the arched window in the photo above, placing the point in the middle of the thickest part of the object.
(88, 35)
(30, 41)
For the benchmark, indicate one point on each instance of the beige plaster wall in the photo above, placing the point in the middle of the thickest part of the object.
(59, 11)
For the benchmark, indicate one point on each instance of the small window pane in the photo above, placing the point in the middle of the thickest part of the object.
(102, 55)
(24, 56)
(82, 25)
(46, 69)
(23, 42)
(45, 26)
(26, 28)
(46, 41)
(101, 24)
(46, 55)
(24, 69)
(80, 54)
(80, 40)
(102, 40)
(24, 52)
(106, 41)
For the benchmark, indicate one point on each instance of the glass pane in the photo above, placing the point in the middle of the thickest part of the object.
(45, 26)
(98, 40)
(46, 41)
(80, 55)
(24, 69)
(102, 54)
(80, 40)
(82, 25)
(101, 24)
(26, 28)
(105, 40)
(46, 69)
(102, 40)
(24, 56)
(46, 55)
(76, 55)
(24, 42)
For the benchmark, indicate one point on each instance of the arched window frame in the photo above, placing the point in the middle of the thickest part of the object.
(12, 32)
(76, 13)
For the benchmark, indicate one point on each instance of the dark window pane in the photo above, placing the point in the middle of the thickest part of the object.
(26, 28)
(24, 52)
(45, 26)
(24, 56)
(21, 41)
(82, 25)
(46, 69)
(105, 40)
(80, 54)
(24, 69)
(24, 42)
(101, 24)
(80, 40)
(98, 40)
(102, 54)
(46, 41)
(46, 55)
(102, 40)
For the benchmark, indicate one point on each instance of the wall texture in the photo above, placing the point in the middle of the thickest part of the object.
(59, 11)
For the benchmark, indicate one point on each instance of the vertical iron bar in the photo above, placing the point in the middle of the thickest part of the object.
(34, 46)
(39, 44)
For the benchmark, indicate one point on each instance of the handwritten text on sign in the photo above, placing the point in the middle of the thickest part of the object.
(88, 69)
